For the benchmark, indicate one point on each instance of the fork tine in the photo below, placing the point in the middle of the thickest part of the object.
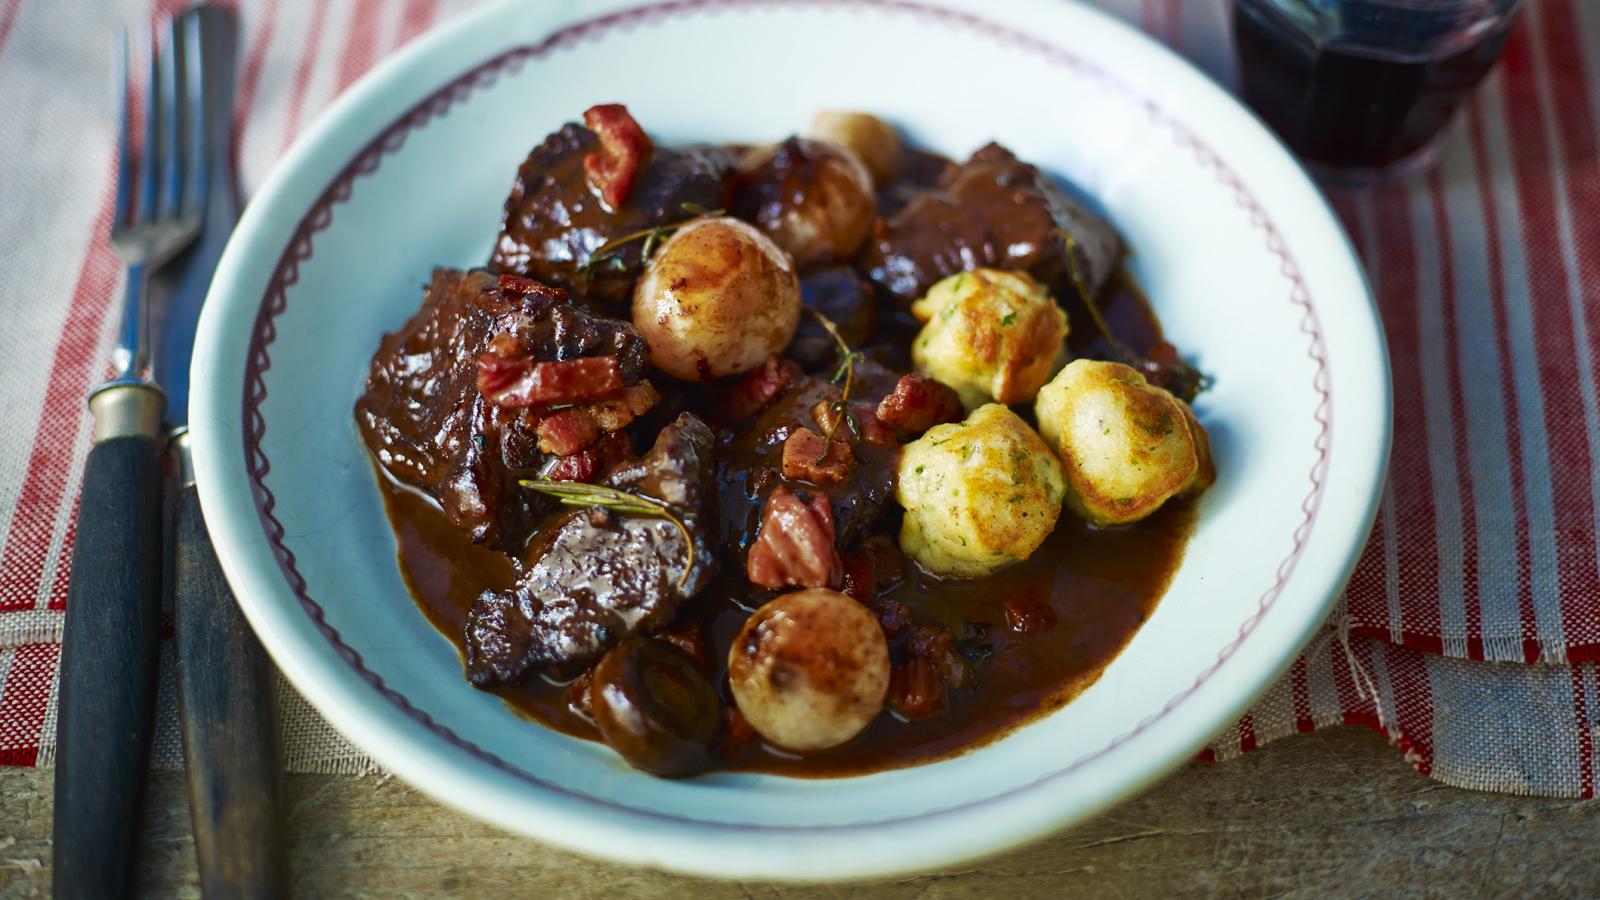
(171, 123)
(124, 139)
(152, 110)
(197, 174)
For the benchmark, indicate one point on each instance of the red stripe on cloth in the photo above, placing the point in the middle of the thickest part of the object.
(250, 83)
(73, 367)
(1301, 690)
(304, 71)
(1411, 472)
(1580, 711)
(24, 700)
(1569, 464)
(416, 17)
(1413, 700)
(361, 43)
(1484, 175)
(1247, 733)
(1564, 82)
(1459, 437)
(8, 18)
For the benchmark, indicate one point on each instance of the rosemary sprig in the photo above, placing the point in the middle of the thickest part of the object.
(844, 374)
(609, 252)
(1184, 373)
(592, 496)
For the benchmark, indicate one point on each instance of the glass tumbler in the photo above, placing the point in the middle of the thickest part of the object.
(1362, 90)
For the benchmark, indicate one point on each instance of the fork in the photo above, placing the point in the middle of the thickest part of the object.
(110, 645)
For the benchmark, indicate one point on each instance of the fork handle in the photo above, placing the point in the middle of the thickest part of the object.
(110, 650)
(228, 716)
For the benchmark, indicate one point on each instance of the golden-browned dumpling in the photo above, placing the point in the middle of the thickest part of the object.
(991, 335)
(1125, 445)
(978, 494)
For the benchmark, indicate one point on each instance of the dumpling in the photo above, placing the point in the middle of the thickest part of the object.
(978, 494)
(1126, 446)
(991, 335)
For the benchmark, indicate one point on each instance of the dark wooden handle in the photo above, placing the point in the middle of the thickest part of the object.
(108, 670)
(229, 722)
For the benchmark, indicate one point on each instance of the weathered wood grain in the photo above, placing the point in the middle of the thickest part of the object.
(1331, 813)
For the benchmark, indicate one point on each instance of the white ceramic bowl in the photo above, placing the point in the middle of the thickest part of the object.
(1245, 264)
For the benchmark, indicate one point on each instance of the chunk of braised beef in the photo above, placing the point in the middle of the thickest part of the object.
(426, 422)
(918, 403)
(592, 578)
(919, 171)
(993, 211)
(846, 299)
(795, 544)
(819, 460)
(554, 220)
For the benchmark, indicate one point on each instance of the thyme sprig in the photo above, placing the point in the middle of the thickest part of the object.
(1184, 373)
(610, 253)
(599, 496)
(845, 375)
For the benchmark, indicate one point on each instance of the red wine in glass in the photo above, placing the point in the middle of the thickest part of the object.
(1361, 89)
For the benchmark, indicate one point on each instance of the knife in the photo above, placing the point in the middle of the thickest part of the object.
(226, 701)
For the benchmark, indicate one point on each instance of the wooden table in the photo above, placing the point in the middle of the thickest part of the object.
(1335, 812)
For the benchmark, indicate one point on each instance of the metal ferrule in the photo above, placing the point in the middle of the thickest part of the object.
(181, 457)
(126, 410)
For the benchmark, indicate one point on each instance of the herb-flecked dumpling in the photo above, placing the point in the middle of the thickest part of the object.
(979, 494)
(1126, 446)
(991, 335)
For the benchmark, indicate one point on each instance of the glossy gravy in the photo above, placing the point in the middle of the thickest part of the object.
(1101, 583)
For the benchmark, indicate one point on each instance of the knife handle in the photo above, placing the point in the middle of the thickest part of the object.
(228, 714)
(110, 650)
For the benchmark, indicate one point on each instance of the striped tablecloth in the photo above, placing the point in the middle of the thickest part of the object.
(1470, 632)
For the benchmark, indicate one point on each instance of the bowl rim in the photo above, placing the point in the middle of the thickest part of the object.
(346, 712)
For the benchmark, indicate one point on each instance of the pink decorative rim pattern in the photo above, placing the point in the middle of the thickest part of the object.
(438, 104)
